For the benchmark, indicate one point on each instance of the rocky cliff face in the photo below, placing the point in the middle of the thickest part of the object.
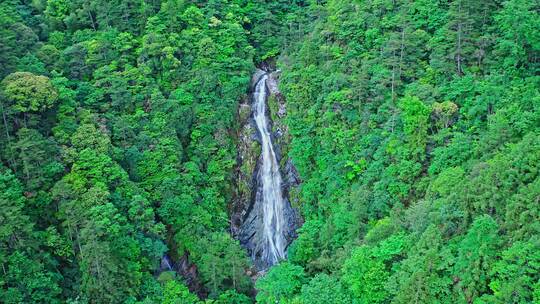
(278, 112)
(246, 215)
(249, 150)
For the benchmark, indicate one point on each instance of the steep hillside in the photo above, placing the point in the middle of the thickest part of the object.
(410, 131)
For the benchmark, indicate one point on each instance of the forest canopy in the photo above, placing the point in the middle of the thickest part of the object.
(414, 127)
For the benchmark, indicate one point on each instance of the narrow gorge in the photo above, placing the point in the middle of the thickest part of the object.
(265, 221)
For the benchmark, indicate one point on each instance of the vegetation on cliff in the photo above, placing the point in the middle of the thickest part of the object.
(415, 130)
(414, 127)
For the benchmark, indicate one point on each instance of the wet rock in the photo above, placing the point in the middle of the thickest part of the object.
(248, 154)
(292, 177)
(255, 78)
(247, 216)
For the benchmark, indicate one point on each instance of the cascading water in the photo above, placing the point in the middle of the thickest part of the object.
(270, 178)
(270, 221)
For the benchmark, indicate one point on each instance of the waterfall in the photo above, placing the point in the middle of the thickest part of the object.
(166, 264)
(271, 196)
(270, 222)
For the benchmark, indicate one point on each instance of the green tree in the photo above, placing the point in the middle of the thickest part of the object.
(25, 277)
(222, 264)
(515, 274)
(232, 297)
(415, 122)
(281, 284)
(476, 255)
(366, 277)
(35, 162)
(27, 92)
(175, 292)
(366, 272)
(520, 40)
(323, 289)
(15, 225)
(423, 276)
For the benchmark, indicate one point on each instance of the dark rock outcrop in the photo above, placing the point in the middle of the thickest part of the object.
(247, 214)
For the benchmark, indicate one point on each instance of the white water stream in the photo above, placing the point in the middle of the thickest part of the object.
(270, 177)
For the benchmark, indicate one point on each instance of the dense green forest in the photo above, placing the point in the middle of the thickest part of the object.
(414, 127)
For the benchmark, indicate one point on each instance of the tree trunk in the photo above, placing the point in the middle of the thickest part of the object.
(459, 42)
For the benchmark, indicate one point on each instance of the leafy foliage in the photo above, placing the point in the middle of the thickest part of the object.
(413, 125)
